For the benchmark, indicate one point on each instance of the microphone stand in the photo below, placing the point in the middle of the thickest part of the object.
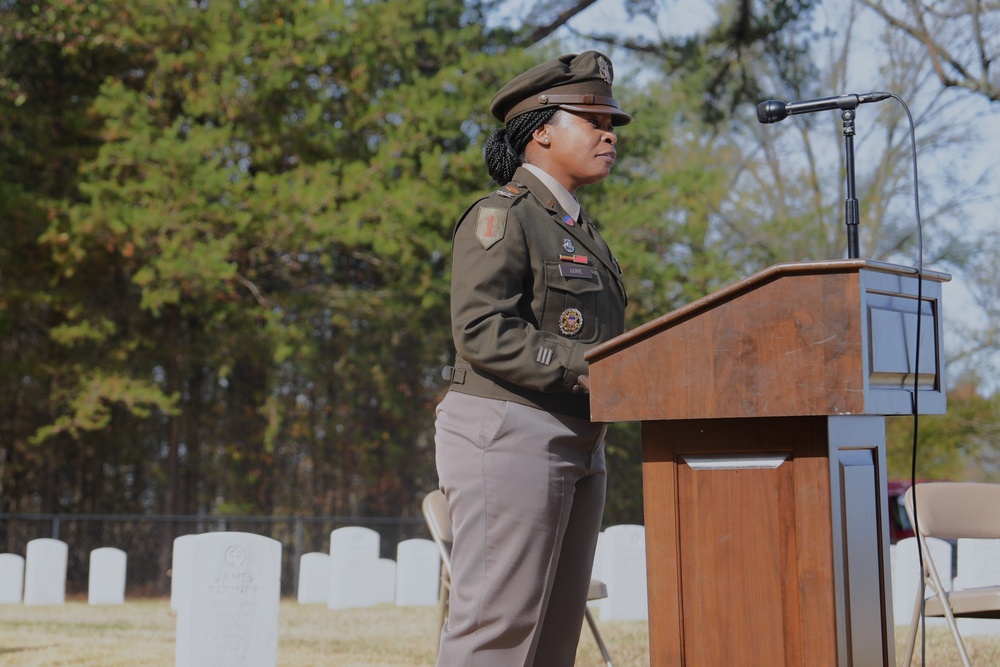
(851, 211)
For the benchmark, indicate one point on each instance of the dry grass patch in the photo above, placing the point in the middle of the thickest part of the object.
(141, 634)
(941, 651)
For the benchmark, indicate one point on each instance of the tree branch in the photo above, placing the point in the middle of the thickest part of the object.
(941, 57)
(539, 32)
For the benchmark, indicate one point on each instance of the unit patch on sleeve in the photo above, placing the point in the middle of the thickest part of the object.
(491, 226)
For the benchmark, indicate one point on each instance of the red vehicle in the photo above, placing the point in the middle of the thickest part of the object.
(899, 522)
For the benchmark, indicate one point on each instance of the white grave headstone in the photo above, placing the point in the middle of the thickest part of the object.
(418, 573)
(11, 578)
(353, 553)
(180, 569)
(623, 570)
(906, 577)
(230, 616)
(385, 581)
(45, 572)
(314, 578)
(978, 565)
(106, 582)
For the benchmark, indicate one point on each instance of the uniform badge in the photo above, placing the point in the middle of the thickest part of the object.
(491, 225)
(570, 322)
(510, 191)
(568, 246)
(568, 221)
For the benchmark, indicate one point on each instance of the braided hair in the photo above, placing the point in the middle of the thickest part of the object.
(504, 149)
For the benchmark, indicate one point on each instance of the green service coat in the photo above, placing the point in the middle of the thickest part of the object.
(531, 292)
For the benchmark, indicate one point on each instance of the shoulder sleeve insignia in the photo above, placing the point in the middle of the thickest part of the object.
(491, 225)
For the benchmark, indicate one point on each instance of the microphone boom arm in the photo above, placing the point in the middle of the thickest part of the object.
(773, 111)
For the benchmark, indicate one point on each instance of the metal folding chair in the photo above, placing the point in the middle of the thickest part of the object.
(949, 511)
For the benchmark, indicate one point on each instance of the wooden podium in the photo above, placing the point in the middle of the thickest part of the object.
(764, 475)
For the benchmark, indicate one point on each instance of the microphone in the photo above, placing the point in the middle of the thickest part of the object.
(773, 111)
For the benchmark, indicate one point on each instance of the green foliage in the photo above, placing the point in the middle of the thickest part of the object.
(225, 262)
(90, 405)
(246, 244)
(959, 445)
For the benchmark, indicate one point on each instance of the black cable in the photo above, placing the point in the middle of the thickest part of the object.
(916, 376)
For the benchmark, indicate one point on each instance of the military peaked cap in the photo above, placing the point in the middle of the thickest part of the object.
(574, 82)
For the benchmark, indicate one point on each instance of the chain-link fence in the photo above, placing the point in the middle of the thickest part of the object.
(148, 541)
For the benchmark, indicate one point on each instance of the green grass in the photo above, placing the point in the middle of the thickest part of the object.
(141, 634)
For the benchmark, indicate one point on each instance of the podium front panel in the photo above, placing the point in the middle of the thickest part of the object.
(755, 552)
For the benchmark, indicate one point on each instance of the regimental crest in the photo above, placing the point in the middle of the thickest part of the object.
(570, 322)
(604, 69)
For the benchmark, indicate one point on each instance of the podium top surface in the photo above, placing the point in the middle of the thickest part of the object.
(749, 283)
(832, 337)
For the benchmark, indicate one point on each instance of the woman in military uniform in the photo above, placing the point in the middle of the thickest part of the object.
(534, 286)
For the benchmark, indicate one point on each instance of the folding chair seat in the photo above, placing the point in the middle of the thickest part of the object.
(435, 510)
(951, 511)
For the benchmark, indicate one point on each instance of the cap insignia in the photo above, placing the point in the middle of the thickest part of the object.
(604, 69)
